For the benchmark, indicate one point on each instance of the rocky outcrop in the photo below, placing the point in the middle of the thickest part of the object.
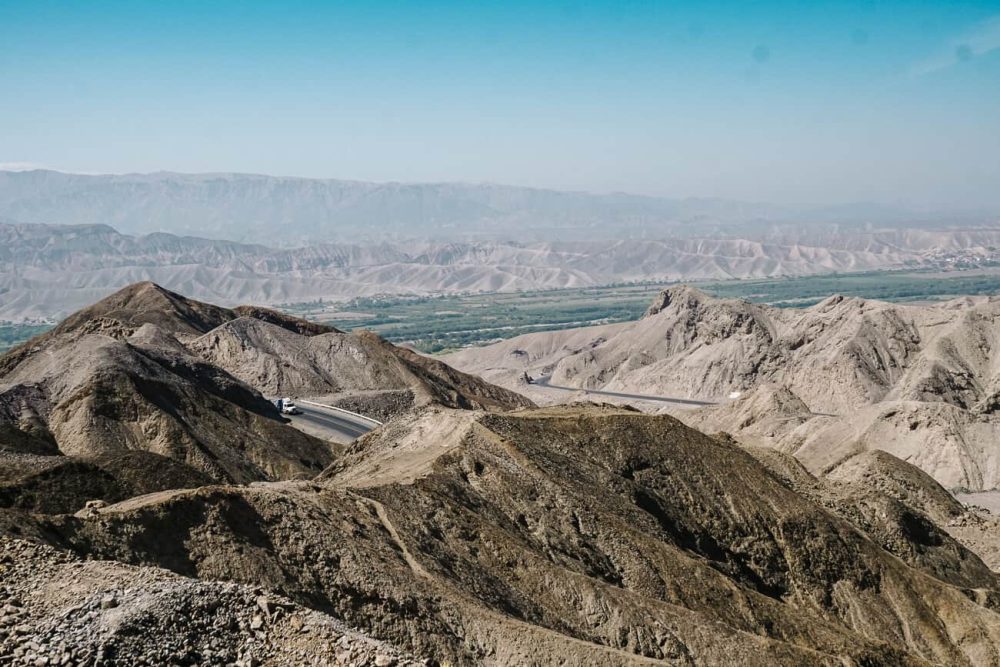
(98, 396)
(280, 362)
(60, 610)
(824, 382)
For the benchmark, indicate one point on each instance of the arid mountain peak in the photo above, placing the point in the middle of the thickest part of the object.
(918, 381)
(471, 528)
(148, 372)
(679, 296)
(148, 303)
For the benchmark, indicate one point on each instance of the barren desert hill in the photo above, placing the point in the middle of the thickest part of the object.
(821, 382)
(279, 361)
(124, 312)
(573, 535)
(955, 445)
(141, 379)
(471, 529)
(96, 388)
(691, 345)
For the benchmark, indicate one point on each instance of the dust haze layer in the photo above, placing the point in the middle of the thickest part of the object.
(266, 209)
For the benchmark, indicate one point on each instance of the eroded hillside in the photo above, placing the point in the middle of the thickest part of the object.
(185, 522)
(822, 382)
(148, 390)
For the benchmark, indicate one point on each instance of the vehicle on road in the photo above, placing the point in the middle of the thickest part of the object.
(287, 406)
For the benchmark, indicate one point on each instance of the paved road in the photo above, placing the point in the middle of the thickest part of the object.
(543, 381)
(338, 425)
(988, 499)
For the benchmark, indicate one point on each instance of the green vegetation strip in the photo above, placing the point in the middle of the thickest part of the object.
(442, 323)
(885, 286)
(12, 335)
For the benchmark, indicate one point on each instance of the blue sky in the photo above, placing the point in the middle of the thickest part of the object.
(787, 102)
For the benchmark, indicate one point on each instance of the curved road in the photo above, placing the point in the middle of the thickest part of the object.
(330, 423)
(543, 381)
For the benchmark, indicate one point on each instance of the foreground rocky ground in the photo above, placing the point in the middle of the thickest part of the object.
(60, 610)
(575, 535)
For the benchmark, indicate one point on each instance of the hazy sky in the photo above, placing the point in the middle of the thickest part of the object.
(785, 102)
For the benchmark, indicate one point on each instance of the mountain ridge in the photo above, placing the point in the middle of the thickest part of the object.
(48, 271)
(472, 527)
(294, 210)
(823, 382)
(495, 549)
(143, 378)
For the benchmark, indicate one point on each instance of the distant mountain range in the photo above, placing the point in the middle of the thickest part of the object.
(47, 271)
(285, 212)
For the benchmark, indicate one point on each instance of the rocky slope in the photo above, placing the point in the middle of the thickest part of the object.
(572, 535)
(113, 390)
(280, 362)
(822, 382)
(60, 610)
(576, 535)
(132, 395)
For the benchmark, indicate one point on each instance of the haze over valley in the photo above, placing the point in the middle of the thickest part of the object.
(49, 270)
(291, 212)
